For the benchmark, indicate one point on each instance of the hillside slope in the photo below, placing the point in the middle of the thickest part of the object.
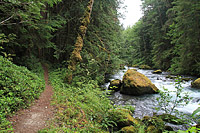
(18, 88)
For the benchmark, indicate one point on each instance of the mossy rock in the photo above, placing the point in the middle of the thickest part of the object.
(144, 67)
(135, 65)
(152, 129)
(156, 121)
(171, 119)
(135, 83)
(157, 71)
(196, 83)
(122, 66)
(115, 85)
(168, 128)
(154, 124)
(129, 65)
(134, 69)
(122, 117)
(129, 129)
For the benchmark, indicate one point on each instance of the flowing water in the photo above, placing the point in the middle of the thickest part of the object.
(144, 105)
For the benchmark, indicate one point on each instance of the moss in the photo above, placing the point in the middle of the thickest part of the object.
(122, 66)
(186, 79)
(76, 53)
(144, 67)
(196, 83)
(129, 129)
(171, 119)
(146, 118)
(135, 65)
(154, 124)
(157, 71)
(152, 129)
(115, 85)
(135, 83)
(75, 56)
(83, 29)
(168, 128)
(122, 117)
(79, 43)
(134, 69)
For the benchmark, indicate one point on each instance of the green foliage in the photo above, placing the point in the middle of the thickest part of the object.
(166, 37)
(18, 88)
(190, 130)
(81, 106)
(196, 111)
(153, 124)
(136, 45)
(195, 115)
(144, 67)
(25, 27)
(48, 29)
(33, 64)
(4, 40)
(185, 38)
(129, 107)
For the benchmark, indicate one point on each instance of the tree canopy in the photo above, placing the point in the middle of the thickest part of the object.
(167, 36)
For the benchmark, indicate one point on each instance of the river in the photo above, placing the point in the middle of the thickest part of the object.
(144, 105)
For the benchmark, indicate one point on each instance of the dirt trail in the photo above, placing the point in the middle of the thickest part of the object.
(34, 118)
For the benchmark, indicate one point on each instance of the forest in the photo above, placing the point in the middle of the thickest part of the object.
(82, 43)
(166, 37)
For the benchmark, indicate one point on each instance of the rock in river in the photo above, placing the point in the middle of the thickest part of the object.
(157, 71)
(135, 83)
(196, 83)
(115, 85)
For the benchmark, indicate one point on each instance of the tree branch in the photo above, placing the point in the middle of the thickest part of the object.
(7, 19)
(15, 23)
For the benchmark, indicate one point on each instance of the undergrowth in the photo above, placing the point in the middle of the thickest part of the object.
(18, 88)
(81, 106)
(33, 64)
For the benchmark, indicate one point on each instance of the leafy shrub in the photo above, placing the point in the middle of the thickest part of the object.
(18, 88)
(168, 104)
(32, 63)
(190, 130)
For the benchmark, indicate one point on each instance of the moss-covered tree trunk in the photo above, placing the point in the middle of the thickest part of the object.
(76, 53)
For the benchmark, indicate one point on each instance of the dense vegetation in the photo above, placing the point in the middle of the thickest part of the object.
(18, 88)
(34, 32)
(46, 31)
(167, 36)
(81, 106)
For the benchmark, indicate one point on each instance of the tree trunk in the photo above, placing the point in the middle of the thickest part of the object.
(76, 53)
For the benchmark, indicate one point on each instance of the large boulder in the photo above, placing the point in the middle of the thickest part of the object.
(122, 117)
(135, 83)
(153, 124)
(115, 85)
(196, 83)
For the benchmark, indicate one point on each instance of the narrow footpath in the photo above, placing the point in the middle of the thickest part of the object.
(36, 116)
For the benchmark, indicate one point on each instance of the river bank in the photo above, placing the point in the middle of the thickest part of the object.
(145, 104)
